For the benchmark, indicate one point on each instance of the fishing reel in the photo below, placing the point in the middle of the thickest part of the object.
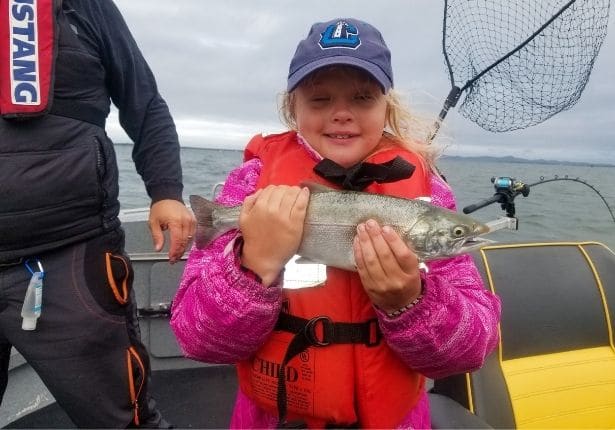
(508, 185)
(506, 189)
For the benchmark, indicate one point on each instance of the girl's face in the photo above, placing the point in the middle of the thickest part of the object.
(341, 112)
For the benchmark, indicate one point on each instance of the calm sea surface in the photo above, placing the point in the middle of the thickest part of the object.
(559, 210)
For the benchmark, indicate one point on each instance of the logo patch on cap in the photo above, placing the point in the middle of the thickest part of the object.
(340, 35)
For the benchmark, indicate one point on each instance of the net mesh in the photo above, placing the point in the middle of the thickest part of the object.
(519, 62)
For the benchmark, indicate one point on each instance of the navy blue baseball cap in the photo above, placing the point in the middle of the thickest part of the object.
(344, 41)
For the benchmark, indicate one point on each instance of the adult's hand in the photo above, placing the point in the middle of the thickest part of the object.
(171, 215)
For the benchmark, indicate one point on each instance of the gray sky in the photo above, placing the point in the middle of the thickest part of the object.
(221, 65)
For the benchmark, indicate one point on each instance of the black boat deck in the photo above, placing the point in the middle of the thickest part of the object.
(199, 397)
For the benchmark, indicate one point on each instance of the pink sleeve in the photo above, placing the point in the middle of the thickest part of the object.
(455, 326)
(220, 313)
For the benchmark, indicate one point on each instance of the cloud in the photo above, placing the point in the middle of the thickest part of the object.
(221, 65)
(204, 133)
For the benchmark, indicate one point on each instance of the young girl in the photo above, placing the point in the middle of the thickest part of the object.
(354, 351)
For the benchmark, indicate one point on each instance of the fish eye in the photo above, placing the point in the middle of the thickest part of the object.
(458, 231)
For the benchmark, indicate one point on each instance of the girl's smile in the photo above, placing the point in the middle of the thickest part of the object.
(341, 112)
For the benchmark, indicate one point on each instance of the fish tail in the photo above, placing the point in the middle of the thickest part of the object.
(203, 211)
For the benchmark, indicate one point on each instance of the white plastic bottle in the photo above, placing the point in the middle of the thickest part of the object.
(32, 303)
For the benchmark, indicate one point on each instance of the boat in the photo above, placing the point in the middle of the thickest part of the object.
(554, 367)
(549, 371)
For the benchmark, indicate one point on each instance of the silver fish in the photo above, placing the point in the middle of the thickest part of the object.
(332, 218)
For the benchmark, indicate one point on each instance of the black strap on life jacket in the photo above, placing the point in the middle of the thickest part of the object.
(319, 331)
(79, 111)
(69, 108)
(361, 175)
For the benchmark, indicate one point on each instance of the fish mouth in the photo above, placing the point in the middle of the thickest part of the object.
(474, 243)
(475, 240)
(458, 247)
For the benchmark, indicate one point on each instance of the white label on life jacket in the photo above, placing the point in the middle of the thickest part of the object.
(24, 52)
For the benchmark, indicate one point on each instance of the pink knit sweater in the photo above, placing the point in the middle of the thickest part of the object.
(221, 315)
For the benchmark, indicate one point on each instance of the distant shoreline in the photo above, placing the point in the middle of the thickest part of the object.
(511, 159)
(505, 159)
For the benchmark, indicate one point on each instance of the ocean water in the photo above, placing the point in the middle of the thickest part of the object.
(553, 211)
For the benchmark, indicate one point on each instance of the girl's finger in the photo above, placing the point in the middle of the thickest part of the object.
(369, 255)
(300, 205)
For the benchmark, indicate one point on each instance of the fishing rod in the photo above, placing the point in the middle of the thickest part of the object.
(507, 189)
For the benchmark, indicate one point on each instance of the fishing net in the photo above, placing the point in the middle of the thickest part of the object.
(519, 62)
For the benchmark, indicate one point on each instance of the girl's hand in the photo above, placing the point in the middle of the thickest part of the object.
(388, 268)
(271, 222)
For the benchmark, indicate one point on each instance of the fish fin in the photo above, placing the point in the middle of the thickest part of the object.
(205, 231)
(317, 188)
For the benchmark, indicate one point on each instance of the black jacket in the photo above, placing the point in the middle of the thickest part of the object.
(58, 172)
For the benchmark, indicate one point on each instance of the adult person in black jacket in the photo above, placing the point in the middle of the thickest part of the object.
(59, 213)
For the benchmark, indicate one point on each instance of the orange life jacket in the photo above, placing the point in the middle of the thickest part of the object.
(363, 383)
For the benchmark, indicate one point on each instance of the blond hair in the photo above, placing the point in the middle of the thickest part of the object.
(401, 125)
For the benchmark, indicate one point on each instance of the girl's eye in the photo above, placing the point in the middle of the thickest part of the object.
(364, 97)
(320, 99)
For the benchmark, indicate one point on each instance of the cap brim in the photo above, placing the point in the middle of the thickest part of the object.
(371, 68)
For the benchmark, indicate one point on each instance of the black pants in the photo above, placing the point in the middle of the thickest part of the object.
(86, 347)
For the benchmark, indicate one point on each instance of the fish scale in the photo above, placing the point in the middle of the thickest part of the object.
(333, 215)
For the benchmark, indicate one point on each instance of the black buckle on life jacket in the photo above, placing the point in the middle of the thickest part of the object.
(327, 331)
(367, 333)
(322, 331)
